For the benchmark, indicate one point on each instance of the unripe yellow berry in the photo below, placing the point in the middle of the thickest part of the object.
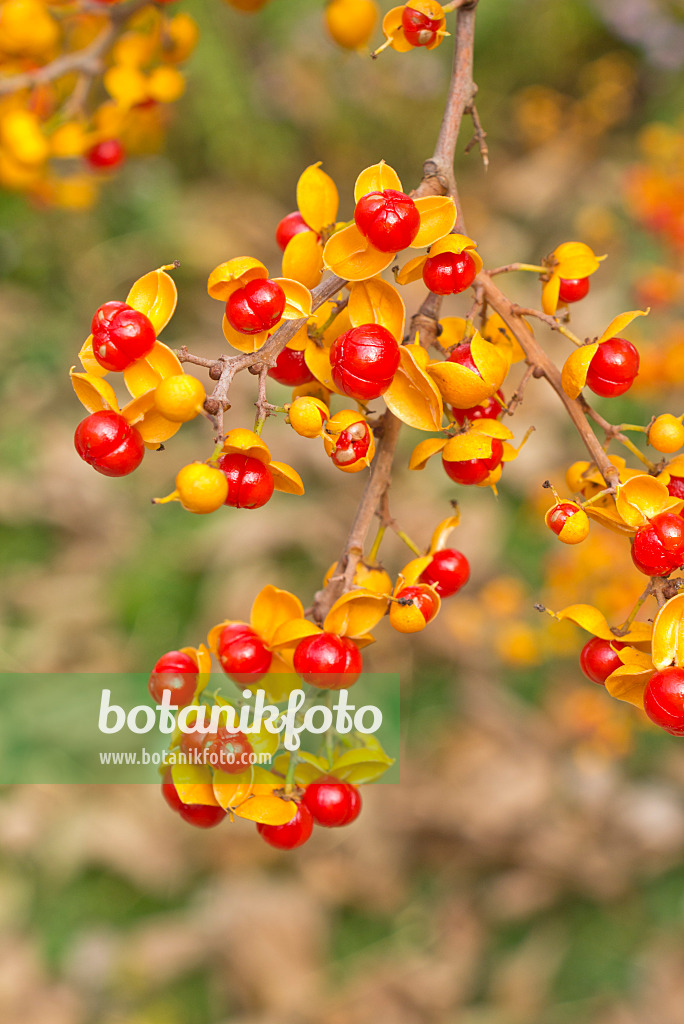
(180, 398)
(370, 577)
(21, 134)
(27, 28)
(69, 140)
(199, 488)
(666, 433)
(568, 521)
(351, 22)
(126, 85)
(307, 416)
(166, 85)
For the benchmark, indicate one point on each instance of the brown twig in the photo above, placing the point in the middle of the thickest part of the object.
(543, 366)
(480, 137)
(438, 179)
(87, 60)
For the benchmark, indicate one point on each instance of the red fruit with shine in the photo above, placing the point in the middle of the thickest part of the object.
(228, 752)
(243, 654)
(106, 155)
(664, 700)
(108, 443)
(295, 833)
(658, 547)
(676, 487)
(449, 273)
(121, 335)
(419, 30)
(474, 471)
(613, 368)
(462, 355)
(447, 572)
(425, 603)
(290, 226)
(599, 658)
(364, 361)
(332, 803)
(291, 369)
(250, 482)
(572, 289)
(389, 219)
(328, 661)
(177, 673)
(490, 409)
(199, 815)
(352, 444)
(256, 307)
(563, 511)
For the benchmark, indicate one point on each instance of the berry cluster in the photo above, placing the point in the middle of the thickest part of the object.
(58, 145)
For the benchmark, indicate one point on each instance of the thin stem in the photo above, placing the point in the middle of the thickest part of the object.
(627, 624)
(373, 553)
(551, 321)
(508, 267)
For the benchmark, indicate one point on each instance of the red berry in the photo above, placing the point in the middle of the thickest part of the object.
(250, 482)
(243, 654)
(291, 369)
(658, 547)
(288, 227)
(106, 155)
(229, 752)
(419, 30)
(199, 815)
(295, 833)
(389, 219)
(447, 572)
(490, 409)
(364, 361)
(613, 368)
(332, 803)
(664, 700)
(559, 516)
(108, 443)
(449, 273)
(474, 471)
(328, 661)
(352, 444)
(121, 335)
(462, 355)
(572, 289)
(193, 743)
(424, 602)
(598, 658)
(177, 673)
(676, 487)
(256, 307)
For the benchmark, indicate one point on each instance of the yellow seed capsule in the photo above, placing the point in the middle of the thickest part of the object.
(666, 433)
(180, 398)
(166, 85)
(370, 577)
(199, 488)
(349, 441)
(568, 521)
(351, 23)
(21, 134)
(307, 416)
(413, 607)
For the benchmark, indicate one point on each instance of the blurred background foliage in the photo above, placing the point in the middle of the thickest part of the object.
(528, 870)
